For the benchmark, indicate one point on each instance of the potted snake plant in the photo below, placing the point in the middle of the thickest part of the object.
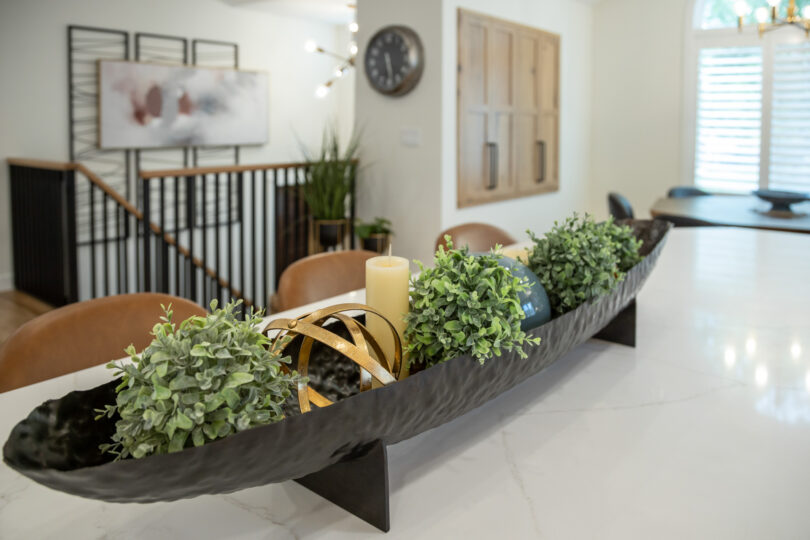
(329, 182)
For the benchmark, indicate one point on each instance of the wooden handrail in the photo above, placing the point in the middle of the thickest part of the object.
(126, 205)
(194, 171)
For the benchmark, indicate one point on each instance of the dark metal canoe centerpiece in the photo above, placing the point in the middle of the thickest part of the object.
(337, 451)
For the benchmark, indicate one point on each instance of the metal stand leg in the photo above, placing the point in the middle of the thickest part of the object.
(358, 485)
(622, 329)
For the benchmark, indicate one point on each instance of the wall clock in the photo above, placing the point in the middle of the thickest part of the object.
(394, 60)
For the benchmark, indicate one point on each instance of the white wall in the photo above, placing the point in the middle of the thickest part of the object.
(399, 182)
(637, 100)
(33, 74)
(416, 187)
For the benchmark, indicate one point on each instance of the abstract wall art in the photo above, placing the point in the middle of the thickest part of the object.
(146, 105)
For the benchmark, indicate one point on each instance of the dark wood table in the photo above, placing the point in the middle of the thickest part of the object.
(734, 211)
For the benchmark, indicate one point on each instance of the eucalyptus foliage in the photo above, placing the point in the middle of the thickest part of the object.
(206, 379)
(329, 176)
(580, 260)
(624, 243)
(465, 305)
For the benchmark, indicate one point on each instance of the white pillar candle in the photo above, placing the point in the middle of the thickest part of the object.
(387, 291)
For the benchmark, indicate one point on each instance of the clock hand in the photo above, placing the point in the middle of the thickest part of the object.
(388, 65)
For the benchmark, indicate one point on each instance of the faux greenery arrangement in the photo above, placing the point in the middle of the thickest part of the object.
(580, 259)
(205, 380)
(625, 244)
(329, 178)
(464, 305)
(378, 226)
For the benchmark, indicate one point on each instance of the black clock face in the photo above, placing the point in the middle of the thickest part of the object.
(393, 60)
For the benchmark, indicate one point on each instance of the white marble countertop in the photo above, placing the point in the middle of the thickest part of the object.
(701, 431)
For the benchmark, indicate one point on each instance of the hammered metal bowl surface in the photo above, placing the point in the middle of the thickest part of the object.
(57, 444)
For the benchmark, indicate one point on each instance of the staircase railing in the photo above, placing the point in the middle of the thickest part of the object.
(245, 222)
(201, 233)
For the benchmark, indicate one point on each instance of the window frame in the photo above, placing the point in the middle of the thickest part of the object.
(697, 38)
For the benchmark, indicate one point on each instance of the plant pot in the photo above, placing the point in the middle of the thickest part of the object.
(330, 232)
(376, 242)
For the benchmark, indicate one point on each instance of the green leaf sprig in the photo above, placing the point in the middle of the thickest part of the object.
(206, 379)
(464, 305)
(580, 260)
(625, 244)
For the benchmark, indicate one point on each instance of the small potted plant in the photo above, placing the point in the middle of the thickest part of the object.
(374, 235)
(329, 182)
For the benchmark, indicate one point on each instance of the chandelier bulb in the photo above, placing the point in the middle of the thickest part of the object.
(774, 3)
(353, 48)
(353, 27)
(806, 12)
(310, 46)
(742, 8)
(762, 14)
(321, 91)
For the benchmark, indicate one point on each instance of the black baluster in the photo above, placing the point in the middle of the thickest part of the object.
(164, 247)
(177, 262)
(216, 239)
(265, 266)
(253, 232)
(125, 216)
(191, 218)
(240, 187)
(147, 237)
(118, 269)
(230, 236)
(204, 217)
(92, 242)
(106, 245)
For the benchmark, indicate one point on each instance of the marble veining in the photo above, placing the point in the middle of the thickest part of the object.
(702, 431)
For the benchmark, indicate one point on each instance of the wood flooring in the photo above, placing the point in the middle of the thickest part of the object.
(16, 309)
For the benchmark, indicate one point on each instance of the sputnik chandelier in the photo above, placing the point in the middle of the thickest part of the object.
(763, 14)
(345, 62)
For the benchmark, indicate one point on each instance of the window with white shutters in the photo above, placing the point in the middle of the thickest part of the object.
(729, 118)
(750, 97)
(790, 118)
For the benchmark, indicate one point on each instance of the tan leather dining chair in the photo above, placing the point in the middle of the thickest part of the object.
(321, 276)
(83, 335)
(478, 236)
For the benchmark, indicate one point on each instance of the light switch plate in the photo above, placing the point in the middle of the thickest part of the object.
(410, 136)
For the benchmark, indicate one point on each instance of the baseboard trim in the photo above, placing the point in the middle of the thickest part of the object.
(6, 282)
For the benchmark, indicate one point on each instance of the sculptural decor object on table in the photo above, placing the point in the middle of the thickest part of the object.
(339, 445)
(781, 200)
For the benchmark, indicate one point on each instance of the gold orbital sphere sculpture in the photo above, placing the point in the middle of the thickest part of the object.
(358, 350)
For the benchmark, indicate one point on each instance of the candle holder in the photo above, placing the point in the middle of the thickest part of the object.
(310, 326)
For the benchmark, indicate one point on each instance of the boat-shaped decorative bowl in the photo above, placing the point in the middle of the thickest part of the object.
(57, 445)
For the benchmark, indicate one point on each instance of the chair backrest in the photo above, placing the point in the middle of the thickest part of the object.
(320, 276)
(684, 192)
(619, 206)
(477, 236)
(85, 334)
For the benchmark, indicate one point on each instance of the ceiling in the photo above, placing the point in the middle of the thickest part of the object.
(333, 11)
